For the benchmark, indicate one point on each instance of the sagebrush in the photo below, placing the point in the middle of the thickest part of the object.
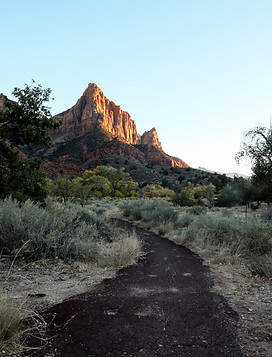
(55, 230)
(222, 236)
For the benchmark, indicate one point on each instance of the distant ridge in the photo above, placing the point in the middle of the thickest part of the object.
(230, 174)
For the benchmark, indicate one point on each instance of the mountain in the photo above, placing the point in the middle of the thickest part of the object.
(95, 128)
(97, 131)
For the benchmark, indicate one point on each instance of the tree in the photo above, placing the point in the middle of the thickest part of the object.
(64, 188)
(117, 179)
(157, 191)
(192, 195)
(104, 181)
(257, 146)
(24, 124)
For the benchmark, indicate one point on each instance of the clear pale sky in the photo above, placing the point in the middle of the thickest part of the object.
(200, 71)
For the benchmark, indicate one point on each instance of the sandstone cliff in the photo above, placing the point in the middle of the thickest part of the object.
(151, 138)
(94, 128)
(94, 110)
(81, 140)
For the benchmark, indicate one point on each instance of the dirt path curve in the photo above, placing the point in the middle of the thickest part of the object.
(163, 306)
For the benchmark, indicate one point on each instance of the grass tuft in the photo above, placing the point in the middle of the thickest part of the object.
(122, 252)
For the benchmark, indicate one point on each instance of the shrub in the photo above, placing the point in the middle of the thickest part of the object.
(185, 220)
(223, 236)
(58, 230)
(197, 210)
(154, 211)
(250, 238)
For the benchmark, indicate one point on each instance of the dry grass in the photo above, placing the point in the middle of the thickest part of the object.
(18, 324)
(122, 252)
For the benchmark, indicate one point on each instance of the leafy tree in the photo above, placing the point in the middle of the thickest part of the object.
(229, 196)
(24, 123)
(157, 191)
(239, 191)
(64, 188)
(220, 181)
(116, 179)
(257, 146)
(104, 181)
(192, 195)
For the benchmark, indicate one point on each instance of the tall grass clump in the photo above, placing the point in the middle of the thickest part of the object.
(17, 325)
(29, 231)
(248, 238)
(122, 252)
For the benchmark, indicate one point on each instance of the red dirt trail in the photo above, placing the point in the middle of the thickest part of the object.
(163, 306)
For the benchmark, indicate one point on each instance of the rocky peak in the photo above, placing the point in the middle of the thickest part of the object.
(2, 101)
(151, 138)
(94, 110)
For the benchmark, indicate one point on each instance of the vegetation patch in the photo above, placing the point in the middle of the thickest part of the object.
(221, 236)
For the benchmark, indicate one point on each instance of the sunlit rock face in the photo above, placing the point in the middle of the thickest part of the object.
(151, 138)
(96, 128)
(94, 110)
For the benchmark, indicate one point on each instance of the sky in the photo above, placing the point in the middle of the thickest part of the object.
(199, 71)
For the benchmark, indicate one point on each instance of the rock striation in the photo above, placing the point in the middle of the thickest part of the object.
(80, 139)
(151, 138)
(95, 128)
(94, 110)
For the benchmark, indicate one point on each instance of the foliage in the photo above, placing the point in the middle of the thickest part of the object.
(257, 146)
(24, 123)
(63, 187)
(155, 211)
(239, 191)
(192, 195)
(223, 234)
(103, 181)
(229, 196)
(64, 231)
(123, 251)
(23, 179)
(220, 181)
(17, 325)
(197, 210)
(156, 191)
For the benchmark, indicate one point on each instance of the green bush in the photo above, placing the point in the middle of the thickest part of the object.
(154, 211)
(184, 220)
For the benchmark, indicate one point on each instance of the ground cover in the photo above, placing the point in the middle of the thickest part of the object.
(50, 253)
(42, 283)
(237, 248)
